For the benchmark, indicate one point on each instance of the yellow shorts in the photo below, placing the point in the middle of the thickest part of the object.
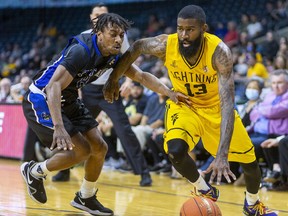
(192, 124)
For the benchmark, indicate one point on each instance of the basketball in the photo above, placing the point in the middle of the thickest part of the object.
(200, 206)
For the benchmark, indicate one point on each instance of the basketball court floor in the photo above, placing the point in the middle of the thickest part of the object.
(120, 192)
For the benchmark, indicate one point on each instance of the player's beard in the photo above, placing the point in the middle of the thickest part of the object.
(192, 50)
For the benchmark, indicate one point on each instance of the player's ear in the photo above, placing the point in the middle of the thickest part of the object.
(204, 27)
(99, 35)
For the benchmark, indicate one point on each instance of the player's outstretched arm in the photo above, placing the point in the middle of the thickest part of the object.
(150, 81)
(154, 46)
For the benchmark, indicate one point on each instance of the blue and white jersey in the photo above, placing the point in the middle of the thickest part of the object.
(83, 60)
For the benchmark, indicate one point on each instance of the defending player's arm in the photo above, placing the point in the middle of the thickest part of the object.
(154, 46)
(222, 62)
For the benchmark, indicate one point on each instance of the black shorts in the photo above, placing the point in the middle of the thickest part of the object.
(75, 115)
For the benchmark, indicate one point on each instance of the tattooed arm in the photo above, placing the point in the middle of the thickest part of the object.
(154, 46)
(222, 63)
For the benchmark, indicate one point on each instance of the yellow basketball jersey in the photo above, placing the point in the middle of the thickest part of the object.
(199, 81)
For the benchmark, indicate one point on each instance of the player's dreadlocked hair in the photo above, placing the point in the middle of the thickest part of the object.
(104, 19)
(193, 12)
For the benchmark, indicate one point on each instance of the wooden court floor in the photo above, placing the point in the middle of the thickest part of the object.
(120, 192)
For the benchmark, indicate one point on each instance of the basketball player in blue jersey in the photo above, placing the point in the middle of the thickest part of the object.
(63, 123)
(93, 99)
(200, 66)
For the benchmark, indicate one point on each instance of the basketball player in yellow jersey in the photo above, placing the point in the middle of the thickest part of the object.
(199, 65)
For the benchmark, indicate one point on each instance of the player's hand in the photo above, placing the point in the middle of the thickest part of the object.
(125, 88)
(178, 98)
(61, 139)
(111, 90)
(219, 167)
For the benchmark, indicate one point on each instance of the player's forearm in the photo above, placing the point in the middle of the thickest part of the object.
(124, 63)
(53, 92)
(154, 84)
(227, 125)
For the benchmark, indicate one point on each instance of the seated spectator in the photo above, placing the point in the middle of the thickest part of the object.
(256, 68)
(242, 27)
(283, 47)
(282, 143)
(220, 30)
(280, 62)
(253, 91)
(153, 116)
(231, 38)
(270, 117)
(136, 104)
(254, 27)
(270, 46)
(5, 94)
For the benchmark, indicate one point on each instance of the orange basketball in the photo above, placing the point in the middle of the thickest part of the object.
(200, 206)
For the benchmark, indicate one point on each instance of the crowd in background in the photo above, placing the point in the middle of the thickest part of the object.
(261, 85)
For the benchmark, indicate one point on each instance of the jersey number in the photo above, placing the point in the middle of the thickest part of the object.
(199, 89)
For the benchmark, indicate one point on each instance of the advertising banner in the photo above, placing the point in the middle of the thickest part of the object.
(13, 127)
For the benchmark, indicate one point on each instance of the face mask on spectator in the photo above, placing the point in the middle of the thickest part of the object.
(252, 94)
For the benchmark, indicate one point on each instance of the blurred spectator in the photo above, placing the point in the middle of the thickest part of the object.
(18, 90)
(9, 69)
(283, 47)
(256, 68)
(231, 38)
(5, 96)
(254, 28)
(270, 16)
(242, 43)
(17, 51)
(253, 91)
(159, 70)
(270, 46)
(220, 30)
(136, 104)
(281, 10)
(154, 26)
(240, 71)
(242, 27)
(280, 62)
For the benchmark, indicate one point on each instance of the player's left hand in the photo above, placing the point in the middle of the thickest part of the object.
(111, 90)
(219, 167)
(178, 98)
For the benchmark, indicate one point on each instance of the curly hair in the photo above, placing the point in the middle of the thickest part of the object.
(104, 20)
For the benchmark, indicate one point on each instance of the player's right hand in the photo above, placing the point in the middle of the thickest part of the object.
(220, 166)
(61, 139)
